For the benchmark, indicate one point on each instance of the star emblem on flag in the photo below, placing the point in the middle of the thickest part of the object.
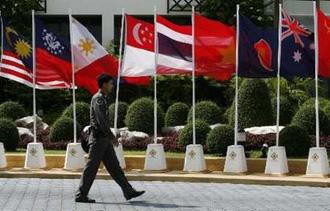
(86, 46)
(291, 26)
(51, 43)
(297, 55)
(23, 48)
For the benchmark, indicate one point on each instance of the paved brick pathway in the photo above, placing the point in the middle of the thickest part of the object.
(57, 194)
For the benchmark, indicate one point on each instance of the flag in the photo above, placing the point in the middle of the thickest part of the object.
(298, 53)
(214, 48)
(174, 47)
(257, 50)
(139, 57)
(324, 44)
(53, 57)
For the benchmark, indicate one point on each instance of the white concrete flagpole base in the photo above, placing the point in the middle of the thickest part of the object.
(194, 159)
(74, 157)
(120, 155)
(35, 156)
(235, 160)
(3, 161)
(318, 164)
(277, 162)
(155, 158)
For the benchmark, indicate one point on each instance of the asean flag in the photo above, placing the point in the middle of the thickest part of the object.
(91, 59)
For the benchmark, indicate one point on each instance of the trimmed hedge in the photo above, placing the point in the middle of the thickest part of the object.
(287, 110)
(176, 114)
(207, 111)
(295, 140)
(9, 134)
(62, 130)
(323, 103)
(254, 104)
(82, 112)
(140, 116)
(219, 139)
(186, 134)
(12, 110)
(122, 111)
(305, 118)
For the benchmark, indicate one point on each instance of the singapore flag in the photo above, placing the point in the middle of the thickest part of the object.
(139, 49)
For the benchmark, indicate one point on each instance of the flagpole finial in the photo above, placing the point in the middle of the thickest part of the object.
(70, 11)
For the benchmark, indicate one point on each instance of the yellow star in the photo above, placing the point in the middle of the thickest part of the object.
(86, 46)
(23, 49)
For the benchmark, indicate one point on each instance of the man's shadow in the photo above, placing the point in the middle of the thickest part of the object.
(147, 204)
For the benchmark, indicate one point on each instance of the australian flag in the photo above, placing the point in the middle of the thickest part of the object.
(258, 50)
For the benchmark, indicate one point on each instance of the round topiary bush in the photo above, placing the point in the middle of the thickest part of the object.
(186, 134)
(82, 112)
(305, 118)
(12, 110)
(254, 104)
(62, 130)
(323, 103)
(176, 114)
(287, 110)
(219, 139)
(140, 116)
(295, 140)
(9, 134)
(122, 110)
(207, 111)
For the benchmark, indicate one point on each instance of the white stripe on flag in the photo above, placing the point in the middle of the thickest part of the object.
(12, 59)
(172, 62)
(184, 38)
(16, 69)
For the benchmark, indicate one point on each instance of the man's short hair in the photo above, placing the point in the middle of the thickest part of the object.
(103, 78)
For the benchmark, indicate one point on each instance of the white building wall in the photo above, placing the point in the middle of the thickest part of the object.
(106, 8)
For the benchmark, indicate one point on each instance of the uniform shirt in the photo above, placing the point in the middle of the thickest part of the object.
(99, 116)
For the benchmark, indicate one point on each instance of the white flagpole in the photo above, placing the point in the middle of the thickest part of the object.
(316, 44)
(193, 74)
(119, 68)
(236, 78)
(278, 73)
(34, 80)
(73, 81)
(155, 74)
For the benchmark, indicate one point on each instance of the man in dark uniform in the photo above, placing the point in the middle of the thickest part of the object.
(101, 141)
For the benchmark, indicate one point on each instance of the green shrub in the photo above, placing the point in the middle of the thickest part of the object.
(287, 110)
(122, 110)
(254, 105)
(322, 103)
(327, 111)
(176, 114)
(140, 116)
(305, 118)
(186, 134)
(62, 130)
(295, 140)
(82, 112)
(9, 134)
(219, 139)
(12, 110)
(207, 111)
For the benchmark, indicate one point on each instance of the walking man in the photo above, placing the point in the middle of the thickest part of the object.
(101, 141)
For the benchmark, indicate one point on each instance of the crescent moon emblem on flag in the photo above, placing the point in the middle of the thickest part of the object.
(8, 32)
(136, 36)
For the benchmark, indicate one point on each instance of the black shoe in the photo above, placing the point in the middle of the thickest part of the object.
(84, 199)
(133, 194)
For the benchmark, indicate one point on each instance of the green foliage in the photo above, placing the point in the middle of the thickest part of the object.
(62, 129)
(287, 110)
(140, 116)
(225, 10)
(12, 110)
(219, 139)
(322, 103)
(9, 134)
(122, 110)
(82, 113)
(305, 118)
(186, 134)
(295, 140)
(254, 104)
(207, 111)
(176, 114)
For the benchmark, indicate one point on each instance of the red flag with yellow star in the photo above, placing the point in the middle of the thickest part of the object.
(324, 44)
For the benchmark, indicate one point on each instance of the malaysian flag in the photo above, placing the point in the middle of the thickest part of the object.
(16, 61)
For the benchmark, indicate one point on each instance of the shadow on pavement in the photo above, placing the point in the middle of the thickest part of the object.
(148, 204)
